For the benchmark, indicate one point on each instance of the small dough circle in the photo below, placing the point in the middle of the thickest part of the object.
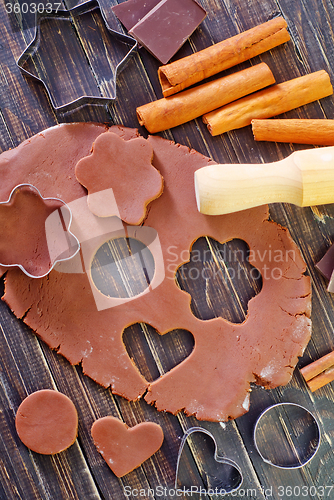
(47, 422)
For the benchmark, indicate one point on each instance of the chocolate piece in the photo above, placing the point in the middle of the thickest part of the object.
(326, 264)
(47, 422)
(113, 170)
(213, 383)
(330, 287)
(123, 448)
(167, 26)
(132, 11)
(326, 267)
(33, 235)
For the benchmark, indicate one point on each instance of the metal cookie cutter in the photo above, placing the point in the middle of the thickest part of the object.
(229, 484)
(68, 37)
(287, 435)
(38, 259)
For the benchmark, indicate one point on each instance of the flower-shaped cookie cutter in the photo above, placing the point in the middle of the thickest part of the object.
(54, 241)
(69, 17)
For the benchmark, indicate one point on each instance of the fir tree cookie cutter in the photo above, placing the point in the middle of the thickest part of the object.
(91, 87)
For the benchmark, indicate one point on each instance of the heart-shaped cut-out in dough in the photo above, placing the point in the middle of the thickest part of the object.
(222, 475)
(126, 448)
(141, 345)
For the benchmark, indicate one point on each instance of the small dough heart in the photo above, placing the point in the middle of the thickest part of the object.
(126, 448)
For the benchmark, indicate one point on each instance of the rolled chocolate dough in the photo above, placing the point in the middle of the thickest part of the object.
(213, 383)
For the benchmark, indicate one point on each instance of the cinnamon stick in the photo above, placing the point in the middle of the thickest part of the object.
(320, 380)
(187, 71)
(180, 108)
(269, 102)
(320, 365)
(300, 131)
(320, 372)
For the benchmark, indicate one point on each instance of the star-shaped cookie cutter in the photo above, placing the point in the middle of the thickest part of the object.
(62, 244)
(69, 15)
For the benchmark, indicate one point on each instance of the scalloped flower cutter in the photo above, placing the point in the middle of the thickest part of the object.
(35, 232)
(220, 481)
(76, 57)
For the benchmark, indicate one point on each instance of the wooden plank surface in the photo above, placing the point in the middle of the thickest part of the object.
(27, 364)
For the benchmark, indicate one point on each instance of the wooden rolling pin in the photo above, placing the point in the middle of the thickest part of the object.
(304, 178)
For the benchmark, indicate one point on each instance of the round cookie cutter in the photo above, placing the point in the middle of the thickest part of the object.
(218, 458)
(55, 220)
(296, 435)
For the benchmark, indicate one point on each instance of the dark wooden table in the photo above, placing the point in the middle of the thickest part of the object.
(27, 364)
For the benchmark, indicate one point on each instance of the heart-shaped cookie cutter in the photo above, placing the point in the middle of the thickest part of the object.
(55, 221)
(68, 15)
(218, 458)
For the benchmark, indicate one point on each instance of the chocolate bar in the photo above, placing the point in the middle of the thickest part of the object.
(165, 28)
(132, 11)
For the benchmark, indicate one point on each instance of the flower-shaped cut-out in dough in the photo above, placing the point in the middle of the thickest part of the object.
(120, 177)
